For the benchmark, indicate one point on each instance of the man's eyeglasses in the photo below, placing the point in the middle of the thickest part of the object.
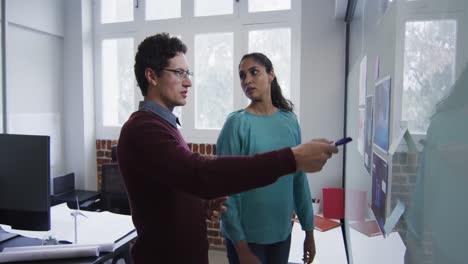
(181, 74)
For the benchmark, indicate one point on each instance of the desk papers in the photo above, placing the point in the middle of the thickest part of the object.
(97, 228)
(47, 252)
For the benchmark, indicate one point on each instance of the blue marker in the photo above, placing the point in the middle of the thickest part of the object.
(343, 141)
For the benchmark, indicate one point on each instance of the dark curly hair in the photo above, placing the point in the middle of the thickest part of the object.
(277, 97)
(155, 52)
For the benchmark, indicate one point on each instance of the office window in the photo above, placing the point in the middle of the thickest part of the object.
(211, 8)
(429, 69)
(113, 11)
(217, 34)
(268, 5)
(214, 93)
(276, 45)
(117, 80)
(162, 9)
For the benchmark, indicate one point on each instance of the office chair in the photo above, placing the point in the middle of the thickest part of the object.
(113, 194)
(114, 153)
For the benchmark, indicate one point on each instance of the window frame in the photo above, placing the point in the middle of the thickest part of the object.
(424, 10)
(187, 27)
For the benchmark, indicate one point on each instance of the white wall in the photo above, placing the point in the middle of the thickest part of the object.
(44, 15)
(35, 72)
(322, 84)
(79, 123)
(50, 81)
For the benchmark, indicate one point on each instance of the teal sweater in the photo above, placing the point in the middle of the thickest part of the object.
(263, 215)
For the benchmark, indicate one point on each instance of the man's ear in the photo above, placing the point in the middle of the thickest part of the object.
(151, 77)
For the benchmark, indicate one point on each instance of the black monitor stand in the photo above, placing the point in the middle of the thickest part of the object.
(4, 236)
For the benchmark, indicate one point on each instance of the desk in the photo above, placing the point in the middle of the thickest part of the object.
(98, 228)
(377, 249)
(122, 248)
(329, 246)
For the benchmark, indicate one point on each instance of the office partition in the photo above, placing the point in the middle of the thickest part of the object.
(407, 109)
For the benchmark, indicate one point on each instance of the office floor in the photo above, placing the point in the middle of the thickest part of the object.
(217, 256)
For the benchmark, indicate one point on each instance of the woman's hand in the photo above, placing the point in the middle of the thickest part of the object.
(245, 255)
(309, 247)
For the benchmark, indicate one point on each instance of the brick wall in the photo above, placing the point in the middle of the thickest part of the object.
(103, 155)
(405, 166)
(404, 176)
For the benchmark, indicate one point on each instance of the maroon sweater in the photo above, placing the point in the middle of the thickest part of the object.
(168, 186)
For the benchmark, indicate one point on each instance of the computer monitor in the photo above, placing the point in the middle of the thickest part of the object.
(25, 182)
